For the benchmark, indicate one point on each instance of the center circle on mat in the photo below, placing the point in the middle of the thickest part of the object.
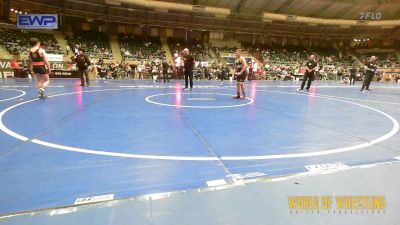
(384, 137)
(193, 100)
(22, 93)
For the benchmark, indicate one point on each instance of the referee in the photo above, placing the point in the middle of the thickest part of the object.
(371, 68)
(311, 67)
(83, 62)
(188, 65)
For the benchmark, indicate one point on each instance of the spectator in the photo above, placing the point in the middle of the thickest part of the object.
(67, 49)
(15, 66)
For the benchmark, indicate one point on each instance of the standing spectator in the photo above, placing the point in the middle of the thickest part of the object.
(140, 70)
(154, 73)
(112, 71)
(339, 73)
(25, 68)
(251, 71)
(93, 70)
(103, 72)
(127, 71)
(100, 62)
(165, 67)
(15, 66)
(178, 65)
(67, 49)
(132, 71)
(353, 72)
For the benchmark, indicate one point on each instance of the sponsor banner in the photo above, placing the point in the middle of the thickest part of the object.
(5, 68)
(60, 69)
(93, 199)
(390, 74)
(390, 70)
(37, 21)
(64, 74)
(55, 57)
(326, 167)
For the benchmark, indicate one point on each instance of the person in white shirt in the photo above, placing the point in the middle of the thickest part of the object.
(154, 73)
(178, 66)
(140, 70)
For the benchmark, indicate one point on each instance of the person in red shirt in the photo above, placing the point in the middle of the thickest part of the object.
(15, 66)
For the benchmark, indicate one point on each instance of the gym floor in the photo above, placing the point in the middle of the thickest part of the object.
(133, 138)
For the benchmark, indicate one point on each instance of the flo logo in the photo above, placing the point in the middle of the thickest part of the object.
(370, 15)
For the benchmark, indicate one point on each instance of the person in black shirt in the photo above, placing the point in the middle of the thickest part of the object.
(83, 62)
(100, 62)
(311, 67)
(371, 68)
(188, 65)
(165, 67)
(353, 72)
(112, 71)
(132, 68)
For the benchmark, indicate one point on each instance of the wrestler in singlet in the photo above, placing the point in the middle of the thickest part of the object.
(37, 62)
(240, 77)
(240, 73)
(40, 66)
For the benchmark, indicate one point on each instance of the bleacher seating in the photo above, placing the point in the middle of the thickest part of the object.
(197, 49)
(276, 61)
(138, 48)
(385, 60)
(96, 45)
(284, 55)
(18, 42)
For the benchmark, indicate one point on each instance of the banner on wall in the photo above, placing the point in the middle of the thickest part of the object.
(59, 69)
(55, 57)
(390, 73)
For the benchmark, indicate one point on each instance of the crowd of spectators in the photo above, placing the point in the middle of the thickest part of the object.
(266, 62)
(139, 48)
(95, 44)
(17, 42)
(125, 70)
(287, 63)
(385, 60)
(197, 49)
